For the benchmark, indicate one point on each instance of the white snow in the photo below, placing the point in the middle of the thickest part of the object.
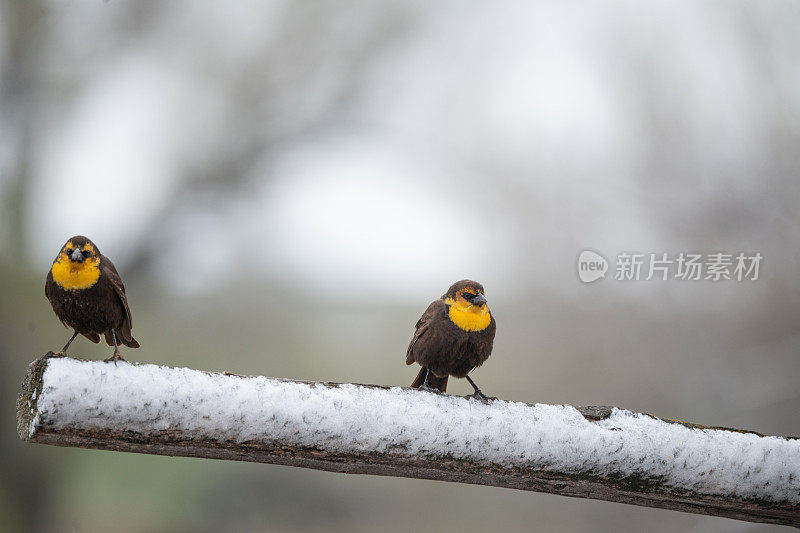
(33, 425)
(148, 399)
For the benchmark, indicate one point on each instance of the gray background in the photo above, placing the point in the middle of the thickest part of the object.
(286, 186)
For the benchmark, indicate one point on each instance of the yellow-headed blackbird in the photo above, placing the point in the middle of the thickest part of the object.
(453, 337)
(88, 296)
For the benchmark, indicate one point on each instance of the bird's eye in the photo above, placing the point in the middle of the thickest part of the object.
(87, 252)
(68, 251)
(468, 295)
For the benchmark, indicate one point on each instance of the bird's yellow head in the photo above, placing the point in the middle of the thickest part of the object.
(77, 265)
(467, 305)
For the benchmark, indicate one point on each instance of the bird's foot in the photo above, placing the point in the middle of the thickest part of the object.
(429, 389)
(114, 358)
(480, 396)
(52, 354)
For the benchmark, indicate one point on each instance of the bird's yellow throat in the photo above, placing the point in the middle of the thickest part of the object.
(469, 317)
(72, 275)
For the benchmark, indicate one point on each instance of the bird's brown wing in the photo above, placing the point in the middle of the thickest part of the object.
(48, 293)
(48, 283)
(424, 324)
(111, 274)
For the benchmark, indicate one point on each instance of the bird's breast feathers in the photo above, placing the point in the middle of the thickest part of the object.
(468, 317)
(71, 275)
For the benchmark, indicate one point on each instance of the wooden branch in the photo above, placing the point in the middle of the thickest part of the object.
(367, 429)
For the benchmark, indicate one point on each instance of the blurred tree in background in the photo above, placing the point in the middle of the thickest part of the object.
(284, 187)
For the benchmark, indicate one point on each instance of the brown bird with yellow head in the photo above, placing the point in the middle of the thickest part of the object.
(454, 336)
(88, 296)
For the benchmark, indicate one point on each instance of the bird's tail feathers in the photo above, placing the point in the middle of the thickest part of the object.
(434, 382)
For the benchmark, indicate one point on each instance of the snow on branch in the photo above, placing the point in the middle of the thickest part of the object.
(602, 453)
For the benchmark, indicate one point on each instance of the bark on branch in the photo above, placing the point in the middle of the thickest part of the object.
(587, 452)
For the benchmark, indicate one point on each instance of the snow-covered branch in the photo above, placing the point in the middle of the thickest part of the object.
(603, 453)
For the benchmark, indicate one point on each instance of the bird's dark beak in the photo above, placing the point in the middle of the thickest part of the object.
(77, 255)
(479, 299)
